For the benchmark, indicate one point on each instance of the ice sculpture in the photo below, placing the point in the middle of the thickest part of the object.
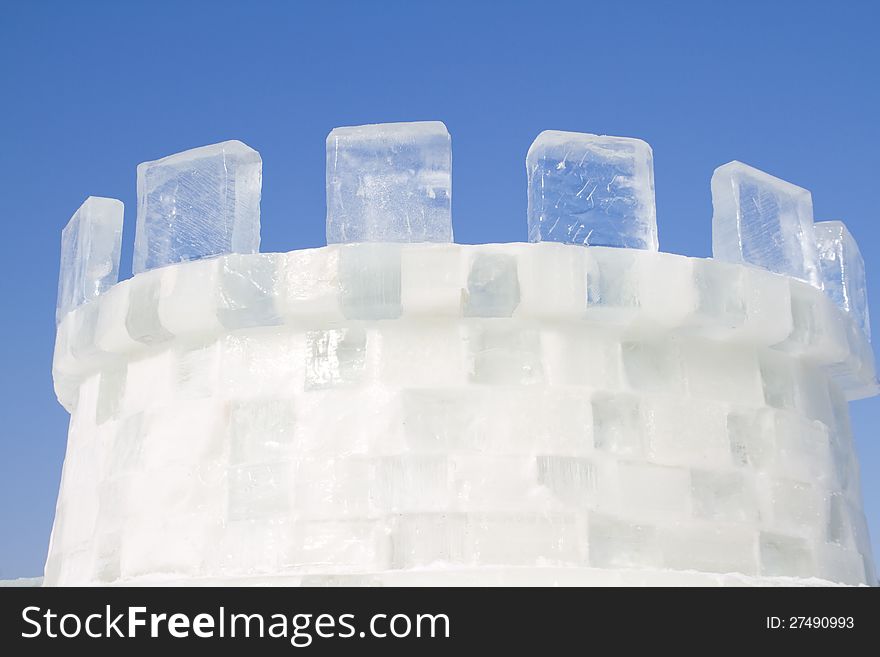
(199, 203)
(90, 247)
(843, 270)
(761, 220)
(591, 190)
(423, 413)
(390, 182)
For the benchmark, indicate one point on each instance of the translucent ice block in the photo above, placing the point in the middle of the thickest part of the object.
(492, 286)
(843, 270)
(390, 182)
(591, 190)
(90, 245)
(199, 203)
(764, 221)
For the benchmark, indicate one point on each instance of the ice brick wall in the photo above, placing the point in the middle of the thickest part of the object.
(377, 408)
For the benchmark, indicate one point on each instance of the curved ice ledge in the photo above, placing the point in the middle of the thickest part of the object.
(633, 296)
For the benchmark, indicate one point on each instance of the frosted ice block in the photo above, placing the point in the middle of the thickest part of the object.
(591, 190)
(843, 270)
(199, 203)
(390, 182)
(90, 247)
(764, 221)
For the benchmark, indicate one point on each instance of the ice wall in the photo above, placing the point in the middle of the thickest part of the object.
(443, 406)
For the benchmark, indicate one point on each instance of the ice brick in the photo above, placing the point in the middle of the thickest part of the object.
(390, 182)
(127, 446)
(149, 382)
(613, 292)
(785, 555)
(653, 366)
(188, 298)
(369, 281)
(552, 281)
(430, 280)
(797, 506)
(335, 357)
(90, 247)
(247, 291)
(506, 356)
(329, 424)
(803, 449)
(764, 221)
(260, 430)
(779, 380)
(840, 565)
(619, 544)
(199, 203)
(524, 539)
(768, 305)
(336, 487)
(813, 400)
(481, 483)
(175, 547)
(618, 426)
(724, 496)
(110, 393)
(111, 332)
(142, 319)
(443, 420)
(843, 270)
(404, 361)
(721, 296)
(492, 286)
(415, 483)
(259, 491)
(654, 492)
(308, 285)
(818, 328)
(428, 538)
(714, 550)
(255, 546)
(581, 355)
(571, 479)
(686, 433)
(667, 293)
(264, 364)
(741, 382)
(356, 544)
(187, 436)
(839, 529)
(198, 371)
(591, 190)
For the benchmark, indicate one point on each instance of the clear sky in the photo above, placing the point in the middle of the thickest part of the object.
(90, 89)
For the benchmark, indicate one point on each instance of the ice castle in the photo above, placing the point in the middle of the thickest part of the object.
(395, 408)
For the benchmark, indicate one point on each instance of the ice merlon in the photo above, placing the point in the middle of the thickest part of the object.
(392, 182)
(90, 247)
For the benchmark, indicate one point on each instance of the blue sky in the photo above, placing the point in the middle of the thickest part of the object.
(90, 89)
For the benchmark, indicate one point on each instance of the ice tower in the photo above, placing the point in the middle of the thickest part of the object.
(395, 408)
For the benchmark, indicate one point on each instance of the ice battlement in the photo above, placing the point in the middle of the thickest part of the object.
(396, 408)
(393, 183)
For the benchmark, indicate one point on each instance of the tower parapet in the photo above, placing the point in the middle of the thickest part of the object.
(395, 408)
